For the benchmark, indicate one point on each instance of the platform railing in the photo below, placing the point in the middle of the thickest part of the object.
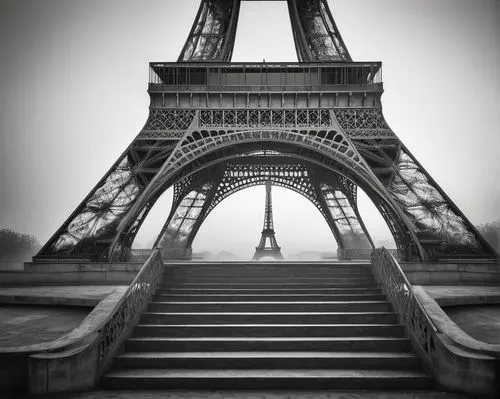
(265, 74)
(410, 310)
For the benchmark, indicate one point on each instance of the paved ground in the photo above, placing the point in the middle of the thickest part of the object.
(31, 324)
(481, 322)
(76, 292)
(256, 395)
(447, 293)
(32, 315)
(474, 308)
(11, 266)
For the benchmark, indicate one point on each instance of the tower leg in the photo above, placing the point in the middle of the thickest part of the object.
(174, 236)
(212, 36)
(89, 230)
(188, 212)
(338, 198)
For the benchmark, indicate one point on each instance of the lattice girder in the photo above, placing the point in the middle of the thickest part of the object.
(189, 208)
(265, 118)
(91, 228)
(92, 225)
(167, 123)
(314, 31)
(212, 35)
(436, 219)
(253, 170)
(437, 225)
(339, 194)
(363, 123)
(183, 219)
(197, 143)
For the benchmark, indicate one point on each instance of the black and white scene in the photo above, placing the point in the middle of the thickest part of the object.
(250, 199)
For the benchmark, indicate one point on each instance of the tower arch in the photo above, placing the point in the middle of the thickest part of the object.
(333, 195)
(345, 162)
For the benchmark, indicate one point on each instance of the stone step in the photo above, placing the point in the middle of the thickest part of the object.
(254, 306)
(262, 277)
(269, 360)
(266, 280)
(278, 291)
(245, 344)
(266, 379)
(312, 274)
(267, 267)
(267, 276)
(233, 268)
(266, 297)
(268, 326)
(268, 330)
(267, 317)
(330, 283)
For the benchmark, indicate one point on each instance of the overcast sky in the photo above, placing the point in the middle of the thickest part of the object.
(73, 79)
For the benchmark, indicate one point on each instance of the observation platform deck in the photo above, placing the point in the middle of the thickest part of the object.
(265, 85)
(264, 76)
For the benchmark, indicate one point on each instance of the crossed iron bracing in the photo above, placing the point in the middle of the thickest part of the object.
(315, 127)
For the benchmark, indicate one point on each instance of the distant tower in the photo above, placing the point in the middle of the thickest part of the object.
(272, 249)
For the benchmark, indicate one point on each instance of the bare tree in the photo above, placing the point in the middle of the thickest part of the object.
(16, 246)
(491, 231)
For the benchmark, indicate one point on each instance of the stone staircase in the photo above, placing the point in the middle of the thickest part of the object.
(268, 326)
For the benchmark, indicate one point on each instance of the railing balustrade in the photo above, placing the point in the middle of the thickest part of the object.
(411, 312)
(127, 311)
(265, 75)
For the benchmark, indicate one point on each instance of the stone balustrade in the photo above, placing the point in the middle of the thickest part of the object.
(457, 362)
(78, 365)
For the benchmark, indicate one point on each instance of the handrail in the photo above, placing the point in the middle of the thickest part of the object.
(117, 325)
(412, 313)
(396, 265)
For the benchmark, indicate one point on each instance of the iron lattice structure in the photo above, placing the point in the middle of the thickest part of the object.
(268, 246)
(315, 126)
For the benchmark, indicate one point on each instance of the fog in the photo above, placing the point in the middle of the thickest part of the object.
(73, 79)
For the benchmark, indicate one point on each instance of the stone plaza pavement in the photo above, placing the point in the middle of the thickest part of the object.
(474, 308)
(41, 314)
(32, 315)
(22, 325)
(252, 395)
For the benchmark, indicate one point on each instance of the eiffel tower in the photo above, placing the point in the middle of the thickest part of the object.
(272, 249)
(314, 126)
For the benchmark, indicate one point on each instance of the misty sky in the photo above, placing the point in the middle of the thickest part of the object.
(73, 79)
